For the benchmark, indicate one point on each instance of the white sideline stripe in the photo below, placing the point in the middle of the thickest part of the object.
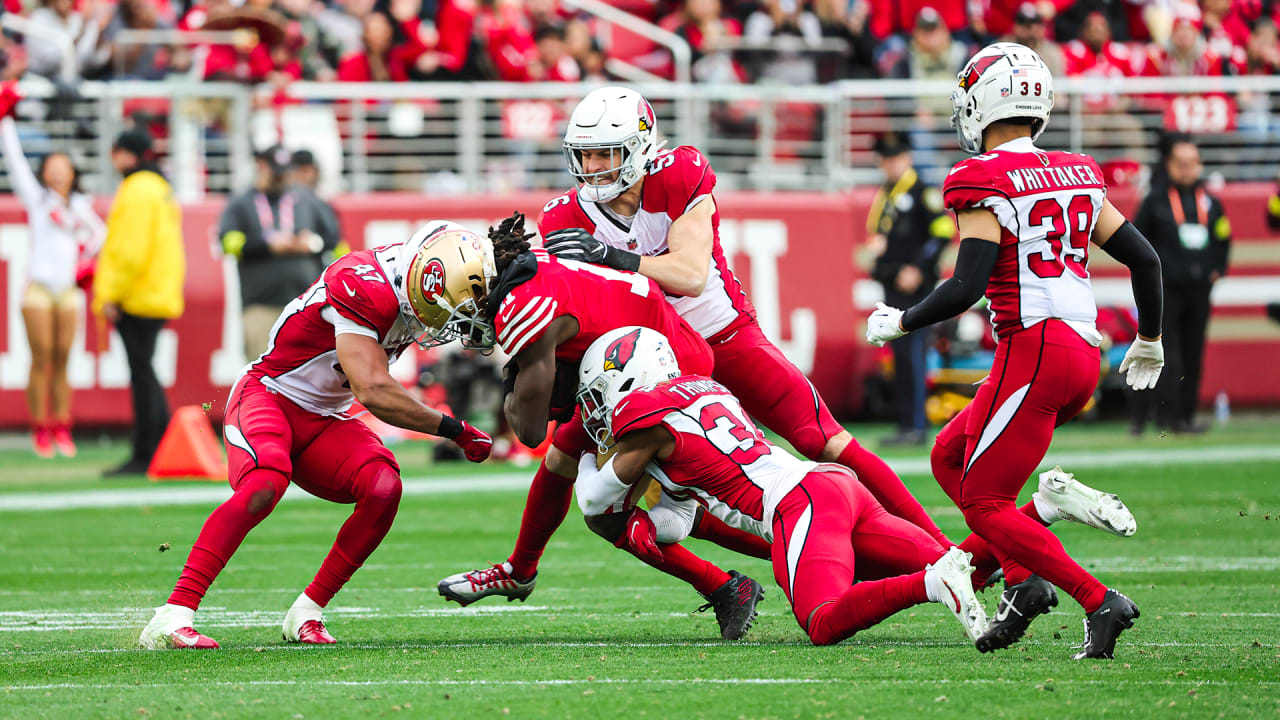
(633, 681)
(1071, 461)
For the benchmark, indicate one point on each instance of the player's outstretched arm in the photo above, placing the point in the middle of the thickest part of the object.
(683, 269)
(602, 494)
(974, 263)
(1121, 240)
(364, 362)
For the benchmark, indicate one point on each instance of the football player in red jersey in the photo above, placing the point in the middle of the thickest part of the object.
(545, 313)
(286, 419)
(652, 211)
(1026, 218)
(842, 560)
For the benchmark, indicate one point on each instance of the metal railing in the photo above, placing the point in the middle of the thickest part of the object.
(494, 137)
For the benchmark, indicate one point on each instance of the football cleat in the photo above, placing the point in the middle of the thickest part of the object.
(1019, 605)
(735, 604)
(169, 630)
(1104, 625)
(63, 442)
(948, 581)
(304, 625)
(468, 587)
(42, 441)
(1080, 503)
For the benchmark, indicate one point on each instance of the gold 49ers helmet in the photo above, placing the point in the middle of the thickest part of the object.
(448, 276)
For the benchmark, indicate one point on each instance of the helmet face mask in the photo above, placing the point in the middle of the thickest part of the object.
(615, 365)
(620, 121)
(446, 282)
(1003, 80)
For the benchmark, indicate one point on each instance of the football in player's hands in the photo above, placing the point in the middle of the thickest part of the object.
(640, 537)
(575, 244)
(885, 324)
(475, 443)
(1142, 364)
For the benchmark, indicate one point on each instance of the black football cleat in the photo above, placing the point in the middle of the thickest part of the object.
(1104, 625)
(1019, 605)
(735, 605)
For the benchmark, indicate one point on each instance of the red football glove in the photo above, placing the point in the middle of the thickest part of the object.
(9, 97)
(475, 444)
(640, 538)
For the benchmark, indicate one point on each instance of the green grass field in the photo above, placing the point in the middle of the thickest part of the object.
(604, 635)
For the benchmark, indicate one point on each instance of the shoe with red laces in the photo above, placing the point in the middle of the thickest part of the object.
(468, 587)
(171, 629)
(42, 441)
(62, 440)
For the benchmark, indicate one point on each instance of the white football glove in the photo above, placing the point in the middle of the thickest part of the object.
(885, 324)
(1143, 363)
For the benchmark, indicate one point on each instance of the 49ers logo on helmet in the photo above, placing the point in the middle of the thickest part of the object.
(620, 351)
(978, 67)
(433, 280)
(646, 115)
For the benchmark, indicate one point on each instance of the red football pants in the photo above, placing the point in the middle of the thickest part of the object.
(1042, 377)
(818, 530)
(271, 441)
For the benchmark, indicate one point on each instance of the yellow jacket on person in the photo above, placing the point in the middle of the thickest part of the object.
(142, 264)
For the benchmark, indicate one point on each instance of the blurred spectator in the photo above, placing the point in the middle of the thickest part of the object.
(138, 283)
(930, 55)
(56, 24)
(790, 19)
(1030, 28)
(1000, 17)
(706, 31)
(374, 62)
(1261, 56)
(142, 61)
(509, 41)
(1096, 56)
(847, 21)
(304, 176)
(1188, 229)
(900, 16)
(310, 42)
(342, 21)
(553, 55)
(439, 50)
(1224, 25)
(911, 228)
(65, 234)
(277, 234)
(1073, 19)
(1188, 53)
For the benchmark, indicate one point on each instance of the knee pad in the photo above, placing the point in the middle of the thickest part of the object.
(262, 489)
(378, 482)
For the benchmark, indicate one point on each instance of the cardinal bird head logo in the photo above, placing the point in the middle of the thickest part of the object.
(433, 280)
(976, 68)
(646, 115)
(620, 351)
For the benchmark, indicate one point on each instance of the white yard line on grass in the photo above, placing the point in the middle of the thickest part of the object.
(632, 681)
(1072, 461)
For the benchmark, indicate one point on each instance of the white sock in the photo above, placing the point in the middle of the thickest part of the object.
(928, 586)
(508, 567)
(1048, 513)
(180, 616)
(304, 602)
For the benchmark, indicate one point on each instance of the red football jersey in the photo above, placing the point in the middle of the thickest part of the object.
(721, 459)
(356, 293)
(600, 299)
(1047, 204)
(677, 180)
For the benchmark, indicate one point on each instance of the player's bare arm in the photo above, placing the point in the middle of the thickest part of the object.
(364, 362)
(527, 405)
(974, 263)
(683, 269)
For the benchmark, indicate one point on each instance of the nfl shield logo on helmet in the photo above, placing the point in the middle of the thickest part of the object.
(433, 280)
(1004, 92)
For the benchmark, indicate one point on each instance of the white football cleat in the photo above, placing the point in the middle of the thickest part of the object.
(170, 628)
(947, 581)
(468, 587)
(306, 626)
(1075, 501)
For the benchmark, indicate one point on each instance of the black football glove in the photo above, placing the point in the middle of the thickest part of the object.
(578, 244)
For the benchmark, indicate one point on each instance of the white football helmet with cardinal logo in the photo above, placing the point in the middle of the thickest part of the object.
(1003, 80)
(617, 363)
(617, 119)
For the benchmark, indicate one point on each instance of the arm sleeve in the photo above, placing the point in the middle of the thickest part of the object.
(599, 491)
(1131, 249)
(974, 264)
(122, 254)
(23, 179)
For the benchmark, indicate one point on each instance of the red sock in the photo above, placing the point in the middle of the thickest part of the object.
(224, 531)
(864, 605)
(677, 561)
(709, 527)
(887, 487)
(985, 560)
(544, 510)
(377, 490)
